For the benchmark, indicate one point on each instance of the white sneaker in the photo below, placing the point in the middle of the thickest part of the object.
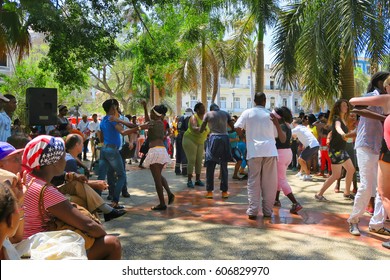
(299, 174)
(307, 178)
(354, 229)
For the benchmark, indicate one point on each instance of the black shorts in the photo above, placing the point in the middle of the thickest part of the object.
(308, 152)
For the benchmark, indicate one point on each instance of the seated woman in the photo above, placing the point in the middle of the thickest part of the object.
(44, 158)
(11, 217)
(82, 191)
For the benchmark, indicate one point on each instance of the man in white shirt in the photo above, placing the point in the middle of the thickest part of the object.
(259, 125)
(94, 126)
(306, 137)
(83, 126)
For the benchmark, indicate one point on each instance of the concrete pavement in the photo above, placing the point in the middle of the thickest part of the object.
(202, 229)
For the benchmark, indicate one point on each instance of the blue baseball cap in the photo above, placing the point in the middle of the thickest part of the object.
(7, 149)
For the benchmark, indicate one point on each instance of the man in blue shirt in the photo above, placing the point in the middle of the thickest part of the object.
(110, 163)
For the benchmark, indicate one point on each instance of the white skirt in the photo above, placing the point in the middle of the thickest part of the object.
(157, 154)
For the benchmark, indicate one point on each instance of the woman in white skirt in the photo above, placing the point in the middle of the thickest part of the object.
(157, 156)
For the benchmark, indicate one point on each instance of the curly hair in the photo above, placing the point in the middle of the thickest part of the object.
(336, 110)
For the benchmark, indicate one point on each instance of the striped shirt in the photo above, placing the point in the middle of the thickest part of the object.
(33, 222)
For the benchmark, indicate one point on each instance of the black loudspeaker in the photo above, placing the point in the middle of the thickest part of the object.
(41, 106)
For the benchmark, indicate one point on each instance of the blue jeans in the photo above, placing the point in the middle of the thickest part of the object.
(111, 163)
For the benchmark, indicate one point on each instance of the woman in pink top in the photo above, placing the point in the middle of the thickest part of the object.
(44, 158)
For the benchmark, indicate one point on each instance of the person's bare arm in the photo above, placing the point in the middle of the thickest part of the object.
(376, 100)
(144, 105)
(203, 126)
(281, 134)
(126, 123)
(369, 114)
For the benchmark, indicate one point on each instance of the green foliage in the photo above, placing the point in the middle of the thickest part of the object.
(81, 34)
(29, 74)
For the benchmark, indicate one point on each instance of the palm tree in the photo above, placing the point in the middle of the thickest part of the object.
(317, 42)
(260, 15)
(14, 36)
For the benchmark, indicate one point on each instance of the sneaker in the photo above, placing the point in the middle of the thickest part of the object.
(299, 174)
(277, 203)
(307, 178)
(199, 183)
(115, 213)
(382, 231)
(386, 244)
(209, 195)
(295, 208)
(225, 195)
(320, 198)
(354, 229)
(190, 184)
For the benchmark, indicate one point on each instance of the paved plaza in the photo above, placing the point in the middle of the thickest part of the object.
(211, 229)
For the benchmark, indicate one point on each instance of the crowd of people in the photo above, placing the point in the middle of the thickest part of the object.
(45, 184)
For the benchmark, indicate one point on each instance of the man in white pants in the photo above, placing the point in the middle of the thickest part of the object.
(367, 145)
(260, 129)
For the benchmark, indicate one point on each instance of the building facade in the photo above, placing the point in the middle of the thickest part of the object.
(238, 96)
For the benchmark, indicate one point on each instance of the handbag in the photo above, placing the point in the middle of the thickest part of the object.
(55, 224)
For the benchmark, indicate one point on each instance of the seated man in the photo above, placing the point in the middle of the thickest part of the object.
(82, 191)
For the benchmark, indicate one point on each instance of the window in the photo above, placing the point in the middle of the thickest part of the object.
(249, 81)
(248, 103)
(271, 84)
(237, 82)
(3, 60)
(272, 104)
(284, 102)
(193, 101)
(236, 103)
(223, 102)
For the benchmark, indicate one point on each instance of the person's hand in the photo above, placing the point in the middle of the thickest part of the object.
(274, 119)
(80, 177)
(99, 184)
(19, 186)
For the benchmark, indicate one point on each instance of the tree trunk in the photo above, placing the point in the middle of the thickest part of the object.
(347, 78)
(179, 100)
(156, 94)
(203, 73)
(259, 87)
(215, 84)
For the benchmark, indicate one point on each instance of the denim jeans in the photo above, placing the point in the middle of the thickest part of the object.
(111, 163)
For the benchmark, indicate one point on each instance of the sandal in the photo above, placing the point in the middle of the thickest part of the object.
(236, 178)
(349, 196)
(159, 207)
(171, 198)
(337, 190)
